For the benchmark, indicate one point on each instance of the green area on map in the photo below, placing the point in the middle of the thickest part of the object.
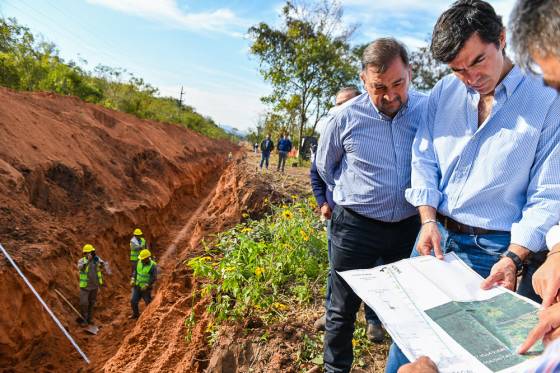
(490, 330)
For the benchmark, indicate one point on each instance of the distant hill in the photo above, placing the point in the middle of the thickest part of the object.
(233, 130)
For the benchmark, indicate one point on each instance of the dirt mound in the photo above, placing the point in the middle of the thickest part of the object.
(72, 173)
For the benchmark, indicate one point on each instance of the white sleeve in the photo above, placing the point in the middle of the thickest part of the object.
(553, 237)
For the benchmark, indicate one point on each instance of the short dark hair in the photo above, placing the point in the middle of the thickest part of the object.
(458, 23)
(535, 27)
(381, 52)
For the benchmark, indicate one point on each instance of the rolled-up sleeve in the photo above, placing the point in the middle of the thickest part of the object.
(329, 150)
(425, 175)
(542, 209)
(553, 237)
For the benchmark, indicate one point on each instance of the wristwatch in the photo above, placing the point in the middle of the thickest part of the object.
(516, 260)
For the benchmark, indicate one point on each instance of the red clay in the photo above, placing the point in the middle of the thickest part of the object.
(74, 173)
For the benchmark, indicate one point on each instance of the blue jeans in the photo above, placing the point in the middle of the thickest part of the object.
(370, 315)
(138, 294)
(265, 156)
(478, 252)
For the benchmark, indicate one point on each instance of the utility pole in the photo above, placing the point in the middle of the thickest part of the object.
(181, 98)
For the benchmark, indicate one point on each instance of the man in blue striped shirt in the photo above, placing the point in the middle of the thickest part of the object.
(364, 155)
(485, 164)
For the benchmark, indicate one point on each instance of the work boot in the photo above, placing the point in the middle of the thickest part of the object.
(375, 333)
(81, 321)
(320, 323)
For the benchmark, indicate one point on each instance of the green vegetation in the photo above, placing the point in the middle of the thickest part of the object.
(29, 64)
(270, 269)
(265, 267)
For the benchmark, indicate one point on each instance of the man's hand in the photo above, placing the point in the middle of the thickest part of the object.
(326, 211)
(548, 328)
(422, 365)
(546, 280)
(430, 239)
(503, 273)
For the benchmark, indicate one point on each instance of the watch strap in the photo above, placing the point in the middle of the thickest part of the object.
(516, 260)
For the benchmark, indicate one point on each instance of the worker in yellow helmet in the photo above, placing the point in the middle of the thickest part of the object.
(137, 244)
(91, 278)
(142, 281)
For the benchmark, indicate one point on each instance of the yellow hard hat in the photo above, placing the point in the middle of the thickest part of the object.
(144, 254)
(88, 248)
(137, 232)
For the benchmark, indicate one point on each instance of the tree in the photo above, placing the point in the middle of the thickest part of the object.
(307, 60)
(426, 71)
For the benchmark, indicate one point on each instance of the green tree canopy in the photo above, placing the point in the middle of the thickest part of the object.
(306, 60)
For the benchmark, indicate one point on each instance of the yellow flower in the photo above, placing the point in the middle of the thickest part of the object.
(279, 306)
(206, 258)
(284, 206)
(287, 214)
(313, 203)
(259, 272)
(246, 230)
(294, 196)
(354, 342)
(304, 235)
(209, 327)
(266, 200)
(244, 215)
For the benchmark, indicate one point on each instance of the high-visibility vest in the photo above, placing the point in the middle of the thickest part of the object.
(135, 248)
(143, 273)
(84, 276)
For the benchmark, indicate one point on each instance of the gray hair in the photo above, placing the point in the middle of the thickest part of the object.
(355, 91)
(381, 52)
(535, 28)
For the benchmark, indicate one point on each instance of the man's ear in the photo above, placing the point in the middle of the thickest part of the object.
(503, 39)
(363, 77)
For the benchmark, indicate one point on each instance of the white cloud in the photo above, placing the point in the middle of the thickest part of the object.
(167, 11)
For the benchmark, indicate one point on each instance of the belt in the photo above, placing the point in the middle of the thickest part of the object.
(457, 227)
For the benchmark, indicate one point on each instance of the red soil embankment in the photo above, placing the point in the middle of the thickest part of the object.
(73, 173)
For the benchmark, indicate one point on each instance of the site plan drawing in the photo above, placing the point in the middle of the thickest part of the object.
(436, 308)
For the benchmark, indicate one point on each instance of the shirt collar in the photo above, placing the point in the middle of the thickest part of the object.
(401, 111)
(509, 83)
(511, 80)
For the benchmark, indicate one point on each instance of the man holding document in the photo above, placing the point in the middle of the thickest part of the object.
(485, 178)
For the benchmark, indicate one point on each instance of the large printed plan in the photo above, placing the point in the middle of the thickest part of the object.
(436, 308)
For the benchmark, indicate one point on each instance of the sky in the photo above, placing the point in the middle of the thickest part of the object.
(203, 45)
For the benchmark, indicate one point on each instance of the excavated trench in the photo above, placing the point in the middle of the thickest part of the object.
(72, 173)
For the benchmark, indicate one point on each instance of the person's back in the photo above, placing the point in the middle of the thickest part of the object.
(267, 146)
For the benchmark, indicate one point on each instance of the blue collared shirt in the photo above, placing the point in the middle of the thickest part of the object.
(364, 156)
(503, 175)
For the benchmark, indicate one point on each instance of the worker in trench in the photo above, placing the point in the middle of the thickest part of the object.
(91, 278)
(143, 279)
(137, 244)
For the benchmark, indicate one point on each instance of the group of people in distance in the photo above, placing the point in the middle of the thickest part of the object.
(267, 146)
(472, 167)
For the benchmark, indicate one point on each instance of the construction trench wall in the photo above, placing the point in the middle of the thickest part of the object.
(73, 173)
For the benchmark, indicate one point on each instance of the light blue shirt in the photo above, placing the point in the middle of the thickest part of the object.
(503, 175)
(364, 156)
